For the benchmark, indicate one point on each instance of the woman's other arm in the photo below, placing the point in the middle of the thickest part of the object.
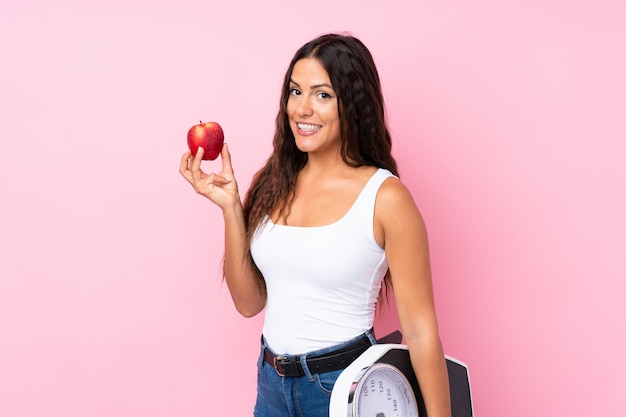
(401, 229)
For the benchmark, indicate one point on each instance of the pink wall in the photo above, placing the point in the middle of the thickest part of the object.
(508, 120)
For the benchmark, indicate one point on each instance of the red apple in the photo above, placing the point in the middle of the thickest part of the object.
(209, 136)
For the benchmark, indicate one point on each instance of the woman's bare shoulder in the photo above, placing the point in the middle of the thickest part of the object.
(393, 192)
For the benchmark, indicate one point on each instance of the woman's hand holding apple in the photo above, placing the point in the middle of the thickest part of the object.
(220, 188)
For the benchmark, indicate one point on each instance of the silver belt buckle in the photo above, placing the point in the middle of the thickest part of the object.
(276, 359)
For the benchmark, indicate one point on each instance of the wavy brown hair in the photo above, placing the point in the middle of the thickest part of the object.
(365, 138)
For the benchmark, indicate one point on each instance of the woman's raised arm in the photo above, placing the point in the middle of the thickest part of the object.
(246, 287)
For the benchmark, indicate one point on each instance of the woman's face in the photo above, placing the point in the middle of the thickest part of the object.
(312, 108)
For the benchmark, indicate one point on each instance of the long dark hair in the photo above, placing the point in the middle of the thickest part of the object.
(365, 138)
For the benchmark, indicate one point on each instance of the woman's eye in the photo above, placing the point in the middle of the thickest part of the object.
(294, 92)
(324, 95)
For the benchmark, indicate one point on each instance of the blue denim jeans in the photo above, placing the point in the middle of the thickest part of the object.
(303, 396)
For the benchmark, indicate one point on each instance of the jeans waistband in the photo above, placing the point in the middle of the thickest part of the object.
(324, 360)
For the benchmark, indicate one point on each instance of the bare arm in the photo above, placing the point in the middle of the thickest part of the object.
(400, 228)
(246, 287)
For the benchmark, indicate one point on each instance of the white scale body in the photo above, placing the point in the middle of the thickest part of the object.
(381, 383)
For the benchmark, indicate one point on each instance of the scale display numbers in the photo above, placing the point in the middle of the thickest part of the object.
(383, 391)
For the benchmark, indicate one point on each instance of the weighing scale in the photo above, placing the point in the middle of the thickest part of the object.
(381, 383)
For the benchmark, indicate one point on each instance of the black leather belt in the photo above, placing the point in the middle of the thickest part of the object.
(332, 361)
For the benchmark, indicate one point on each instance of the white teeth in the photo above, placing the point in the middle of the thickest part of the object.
(308, 127)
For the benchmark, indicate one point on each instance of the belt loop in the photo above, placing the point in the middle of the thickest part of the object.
(259, 363)
(370, 336)
(305, 368)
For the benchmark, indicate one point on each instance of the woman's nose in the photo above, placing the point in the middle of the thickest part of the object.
(304, 107)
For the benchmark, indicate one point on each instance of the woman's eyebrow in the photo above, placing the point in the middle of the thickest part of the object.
(313, 87)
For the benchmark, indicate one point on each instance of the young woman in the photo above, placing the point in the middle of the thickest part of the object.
(324, 226)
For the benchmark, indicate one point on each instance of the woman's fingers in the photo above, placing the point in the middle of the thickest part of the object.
(184, 165)
(196, 172)
(218, 180)
(197, 159)
(227, 166)
(216, 187)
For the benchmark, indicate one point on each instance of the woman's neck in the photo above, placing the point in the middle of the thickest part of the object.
(326, 165)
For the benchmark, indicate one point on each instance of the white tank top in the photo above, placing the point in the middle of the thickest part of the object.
(322, 282)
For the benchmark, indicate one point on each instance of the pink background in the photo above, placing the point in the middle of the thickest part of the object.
(509, 126)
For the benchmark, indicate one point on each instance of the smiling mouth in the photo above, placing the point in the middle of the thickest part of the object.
(306, 127)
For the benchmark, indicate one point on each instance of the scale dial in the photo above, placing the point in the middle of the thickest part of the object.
(381, 383)
(383, 391)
